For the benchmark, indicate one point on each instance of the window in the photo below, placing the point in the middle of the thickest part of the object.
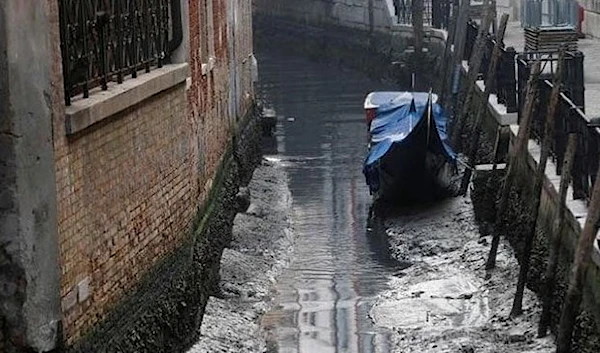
(106, 41)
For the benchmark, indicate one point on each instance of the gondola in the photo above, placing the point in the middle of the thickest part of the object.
(409, 157)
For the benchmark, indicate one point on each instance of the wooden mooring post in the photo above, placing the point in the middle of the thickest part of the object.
(585, 245)
(460, 37)
(483, 105)
(462, 105)
(417, 24)
(556, 239)
(444, 68)
(540, 177)
(519, 152)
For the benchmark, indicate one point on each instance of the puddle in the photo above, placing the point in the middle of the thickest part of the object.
(452, 302)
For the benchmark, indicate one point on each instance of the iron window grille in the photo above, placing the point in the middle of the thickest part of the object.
(106, 41)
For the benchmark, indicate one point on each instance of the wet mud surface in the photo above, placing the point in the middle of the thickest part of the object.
(262, 241)
(444, 302)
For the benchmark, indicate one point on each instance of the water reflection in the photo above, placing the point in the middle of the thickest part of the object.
(338, 269)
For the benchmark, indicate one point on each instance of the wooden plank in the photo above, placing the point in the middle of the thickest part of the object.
(445, 70)
(417, 24)
(585, 245)
(459, 45)
(490, 167)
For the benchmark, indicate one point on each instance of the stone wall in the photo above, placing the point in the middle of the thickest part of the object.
(355, 14)
(29, 273)
(591, 22)
(586, 337)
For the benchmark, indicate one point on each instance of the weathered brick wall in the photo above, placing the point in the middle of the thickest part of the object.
(130, 187)
(127, 196)
(243, 55)
(209, 91)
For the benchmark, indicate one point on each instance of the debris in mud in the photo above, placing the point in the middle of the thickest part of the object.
(262, 243)
(458, 309)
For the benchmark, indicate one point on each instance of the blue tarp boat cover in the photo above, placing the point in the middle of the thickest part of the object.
(395, 119)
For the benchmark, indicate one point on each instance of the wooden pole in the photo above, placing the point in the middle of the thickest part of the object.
(556, 237)
(417, 24)
(459, 47)
(488, 184)
(494, 22)
(519, 152)
(517, 308)
(483, 105)
(442, 86)
(474, 65)
(583, 253)
(496, 145)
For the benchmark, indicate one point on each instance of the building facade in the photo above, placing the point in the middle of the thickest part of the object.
(116, 117)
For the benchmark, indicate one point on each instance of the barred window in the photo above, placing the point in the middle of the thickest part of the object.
(106, 41)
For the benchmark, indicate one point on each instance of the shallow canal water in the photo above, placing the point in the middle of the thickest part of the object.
(338, 267)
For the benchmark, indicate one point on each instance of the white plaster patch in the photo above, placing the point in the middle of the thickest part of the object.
(83, 289)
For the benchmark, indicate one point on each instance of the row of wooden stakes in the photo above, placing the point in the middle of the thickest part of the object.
(571, 306)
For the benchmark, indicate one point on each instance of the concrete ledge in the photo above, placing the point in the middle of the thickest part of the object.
(497, 110)
(429, 33)
(84, 112)
(591, 24)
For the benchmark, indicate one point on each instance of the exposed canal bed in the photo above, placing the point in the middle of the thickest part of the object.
(409, 281)
(445, 302)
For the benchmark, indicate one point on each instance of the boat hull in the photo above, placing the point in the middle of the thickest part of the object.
(411, 172)
(409, 163)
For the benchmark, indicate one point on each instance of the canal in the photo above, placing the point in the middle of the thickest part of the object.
(339, 266)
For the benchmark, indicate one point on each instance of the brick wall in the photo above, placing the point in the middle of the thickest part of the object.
(208, 93)
(130, 186)
(127, 196)
(243, 55)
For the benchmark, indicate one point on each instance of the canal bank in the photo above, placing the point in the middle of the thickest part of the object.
(261, 244)
(569, 119)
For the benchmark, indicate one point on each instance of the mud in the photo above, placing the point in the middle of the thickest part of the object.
(445, 302)
(262, 242)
